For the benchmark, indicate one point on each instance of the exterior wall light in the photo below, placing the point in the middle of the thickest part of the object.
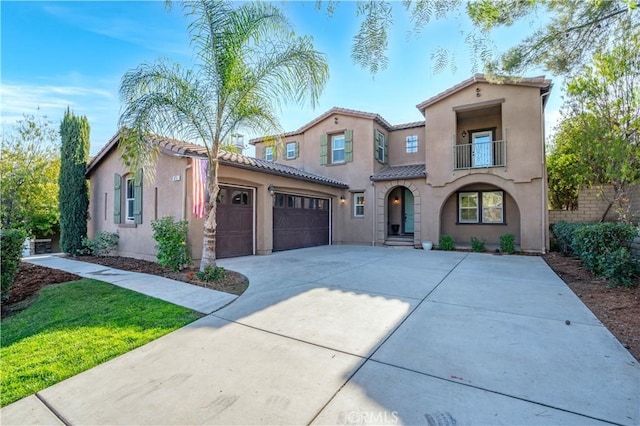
(396, 200)
(342, 199)
(464, 133)
(272, 190)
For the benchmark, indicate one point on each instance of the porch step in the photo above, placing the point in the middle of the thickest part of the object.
(399, 242)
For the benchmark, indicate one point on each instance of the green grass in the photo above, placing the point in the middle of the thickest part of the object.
(75, 326)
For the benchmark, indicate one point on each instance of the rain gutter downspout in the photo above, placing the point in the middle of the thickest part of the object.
(543, 203)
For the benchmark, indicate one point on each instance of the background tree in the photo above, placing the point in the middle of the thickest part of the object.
(29, 176)
(600, 135)
(248, 63)
(74, 191)
(574, 30)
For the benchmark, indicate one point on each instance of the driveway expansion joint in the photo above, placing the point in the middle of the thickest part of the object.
(53, 411)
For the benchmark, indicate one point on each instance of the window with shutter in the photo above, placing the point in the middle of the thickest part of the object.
(137, 197)
(348, 146)
(380, 147)
(324, 142)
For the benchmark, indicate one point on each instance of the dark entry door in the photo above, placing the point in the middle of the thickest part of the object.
(299, 222)
(234, 235)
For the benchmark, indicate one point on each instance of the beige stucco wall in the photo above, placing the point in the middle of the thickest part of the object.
(161, 196)
(523, 178)
(137, 240)
(353, 230)
(398, 155)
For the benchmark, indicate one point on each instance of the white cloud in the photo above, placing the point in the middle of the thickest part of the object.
(99, 104)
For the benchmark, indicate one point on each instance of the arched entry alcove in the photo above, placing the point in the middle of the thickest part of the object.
(400, 213)
(483, 211)
(389, 211)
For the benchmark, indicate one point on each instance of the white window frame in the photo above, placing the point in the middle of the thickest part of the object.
(481, 208)
(129, 198)
(411, 144)
(291, 150)
(334, 139)
(268, 153)
(358, 204)
(499, 207)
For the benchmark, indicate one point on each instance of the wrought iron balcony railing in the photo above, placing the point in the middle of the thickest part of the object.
(479, 155)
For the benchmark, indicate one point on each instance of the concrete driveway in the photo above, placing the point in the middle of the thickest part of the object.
(357, 335)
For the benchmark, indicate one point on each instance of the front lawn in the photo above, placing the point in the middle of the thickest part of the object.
(75, 326)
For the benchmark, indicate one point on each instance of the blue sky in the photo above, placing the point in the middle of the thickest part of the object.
(59, 54)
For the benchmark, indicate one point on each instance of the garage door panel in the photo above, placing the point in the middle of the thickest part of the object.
(300, 222)
(234, 236)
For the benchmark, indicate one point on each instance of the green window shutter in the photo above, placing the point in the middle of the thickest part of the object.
(275, 152)
(264, 152)
(376, 144)
(297, 152)
(323, 149)
(137, 197)
(386, 150)
(348, 146)
(117, 198)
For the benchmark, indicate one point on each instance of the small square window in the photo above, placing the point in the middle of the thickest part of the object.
(268, 153)
(291, 150)
(412, 144)
(358, 204)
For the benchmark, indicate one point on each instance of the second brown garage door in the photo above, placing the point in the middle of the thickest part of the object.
(299, 222)
(234, 235)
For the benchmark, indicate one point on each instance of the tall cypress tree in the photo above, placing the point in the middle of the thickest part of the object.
(74, 191)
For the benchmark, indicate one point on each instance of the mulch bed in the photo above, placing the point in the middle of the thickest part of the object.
(618, 308)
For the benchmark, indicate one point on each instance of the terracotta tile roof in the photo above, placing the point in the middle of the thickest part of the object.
(175, 147)
(412, 171)
(409, 125)
(540, 82)
(335, 110)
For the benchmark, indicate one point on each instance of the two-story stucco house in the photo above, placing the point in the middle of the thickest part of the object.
(474, 167)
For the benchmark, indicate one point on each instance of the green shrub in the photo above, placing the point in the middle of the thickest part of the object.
(171, 236)
(604, 249)
(211, 273)
(478, 245)
(11, 241)
(104, 244)
(446, 243)
(564, 232)
(620, 267)
(508, 243)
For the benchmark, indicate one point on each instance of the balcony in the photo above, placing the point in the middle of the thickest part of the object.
(480, 154)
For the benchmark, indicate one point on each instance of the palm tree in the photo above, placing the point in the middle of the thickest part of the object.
(248, 62)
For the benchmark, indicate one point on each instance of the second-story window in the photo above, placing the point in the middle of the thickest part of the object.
(268, 153)
(292, 150)
(380, 146)
(412, 144)
(337, 149)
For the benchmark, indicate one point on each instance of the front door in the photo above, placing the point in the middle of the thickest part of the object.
(482, 148)
(407, 206)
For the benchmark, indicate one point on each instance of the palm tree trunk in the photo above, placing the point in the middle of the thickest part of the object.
(210, 223)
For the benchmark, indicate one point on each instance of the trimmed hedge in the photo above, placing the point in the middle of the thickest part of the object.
(604, 248)
(11, 241)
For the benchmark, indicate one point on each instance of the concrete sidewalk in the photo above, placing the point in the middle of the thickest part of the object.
(364, 335)
(199, 299)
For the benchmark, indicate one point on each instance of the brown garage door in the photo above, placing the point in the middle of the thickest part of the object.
(235, 222)
(299, 222)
